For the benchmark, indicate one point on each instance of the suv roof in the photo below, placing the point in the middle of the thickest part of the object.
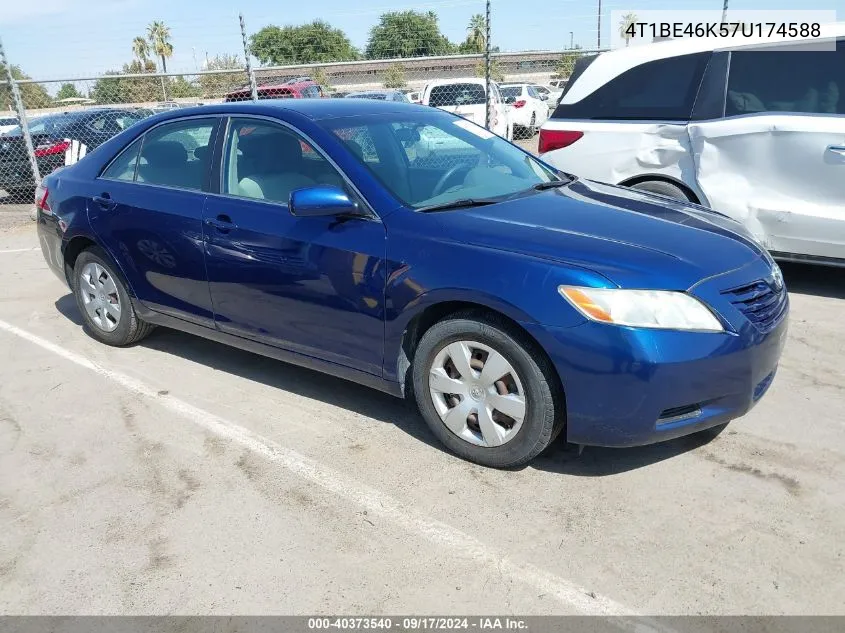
(605, 66)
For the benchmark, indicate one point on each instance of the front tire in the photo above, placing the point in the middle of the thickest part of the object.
(104, 302)
(486, 390)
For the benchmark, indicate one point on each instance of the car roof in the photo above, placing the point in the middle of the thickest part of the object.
(458, 80)
(315, 109)
(611, 64)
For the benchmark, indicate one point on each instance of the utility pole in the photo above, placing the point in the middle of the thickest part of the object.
(598, 33)
(571, 39)
(725, 12)
(487, 87)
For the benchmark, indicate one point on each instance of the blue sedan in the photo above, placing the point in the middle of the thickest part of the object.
(412, 251)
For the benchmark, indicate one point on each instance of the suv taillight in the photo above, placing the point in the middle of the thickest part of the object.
(556, 139)
(519, 104)
(41, 203)
(53, 147)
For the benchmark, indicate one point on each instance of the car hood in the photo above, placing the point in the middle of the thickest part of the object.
(634, 239)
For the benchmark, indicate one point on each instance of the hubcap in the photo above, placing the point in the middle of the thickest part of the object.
(99, 296)
(477, 393)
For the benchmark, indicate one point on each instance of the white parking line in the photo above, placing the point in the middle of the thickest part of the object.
(375, 502)
(19, 250)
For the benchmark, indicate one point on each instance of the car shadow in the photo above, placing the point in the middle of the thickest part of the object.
(560, 457)
(812, 279)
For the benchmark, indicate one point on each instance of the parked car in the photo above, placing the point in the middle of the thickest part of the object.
(514, 302)
(297, 88)
(528, 108)
(556, 88)
(52, 137)
(379, 95)
(758, 135)
(8, 122)
(467, 98)
(413, 96)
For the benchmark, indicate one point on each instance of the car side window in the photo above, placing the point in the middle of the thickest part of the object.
(123, 166)
(810, 82)
(176, 154)
(664, 89)
(267, 161)
(532, 92)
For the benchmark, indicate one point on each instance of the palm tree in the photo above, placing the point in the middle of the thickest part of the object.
(158, 33)
(477, 32)
(140, 48)
(624, 24)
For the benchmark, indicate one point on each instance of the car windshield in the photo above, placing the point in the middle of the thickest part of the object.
(511, 91)
(456, 94)
(435, 158)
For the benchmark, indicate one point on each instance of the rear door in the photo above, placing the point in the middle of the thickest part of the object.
(776, 160)
(146, 209)
(634, 124)
(312, 285)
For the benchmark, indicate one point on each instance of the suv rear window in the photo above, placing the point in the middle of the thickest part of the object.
(456, 94)
(664, 89)
(511, 91)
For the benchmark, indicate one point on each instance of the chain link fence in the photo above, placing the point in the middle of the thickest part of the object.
(48, 124)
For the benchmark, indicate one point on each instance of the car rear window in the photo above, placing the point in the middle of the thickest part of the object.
(511, 91)
(664, 89)
(456, 94)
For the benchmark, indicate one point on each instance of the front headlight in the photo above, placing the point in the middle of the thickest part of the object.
(663, 309)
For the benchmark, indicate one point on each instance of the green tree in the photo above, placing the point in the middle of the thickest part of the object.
(218, 84)
(394, 76)
(407, 34)
(566, 64)
(181, 88)
(113, 89)
(624, 24)
(316, 42)
(476, 35)
(319, 76)
(140, 48)
(158, 33)
(497, 74)
(32, 95)
(67, 91)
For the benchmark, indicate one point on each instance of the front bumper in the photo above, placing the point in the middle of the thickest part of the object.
(633, 386)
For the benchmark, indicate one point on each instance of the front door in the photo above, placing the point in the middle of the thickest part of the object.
(311, 285)
(146, 209)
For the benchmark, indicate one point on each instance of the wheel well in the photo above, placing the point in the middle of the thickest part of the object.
(420, 324)
(691, 195)
(72, 251)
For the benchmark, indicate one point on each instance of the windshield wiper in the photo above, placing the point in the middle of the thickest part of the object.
(552, 184)
(463, 203)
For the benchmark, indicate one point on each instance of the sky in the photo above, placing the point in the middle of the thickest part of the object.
(55, 39)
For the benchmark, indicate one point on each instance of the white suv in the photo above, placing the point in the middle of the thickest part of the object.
(758, 135)
(528, 109)
(467, 98)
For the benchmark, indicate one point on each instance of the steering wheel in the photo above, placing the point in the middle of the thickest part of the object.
(445, 178)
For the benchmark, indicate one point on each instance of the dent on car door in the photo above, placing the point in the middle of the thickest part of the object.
(146, 210)
(776, 161)
(312, 285)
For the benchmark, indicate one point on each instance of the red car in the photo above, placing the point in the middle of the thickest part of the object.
(297, 88)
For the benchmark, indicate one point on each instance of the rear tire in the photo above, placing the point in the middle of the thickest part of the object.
(104, 302)
(530, 381)
(663, 188)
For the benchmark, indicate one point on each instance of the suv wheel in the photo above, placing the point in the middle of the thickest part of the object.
(486, 391)
(663, 188)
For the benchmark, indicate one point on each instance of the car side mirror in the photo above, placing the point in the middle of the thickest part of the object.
(509, 100)
(321, 201)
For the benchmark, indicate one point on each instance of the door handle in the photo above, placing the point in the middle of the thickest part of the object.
(105, 201)
(837, 149)
(222, 223)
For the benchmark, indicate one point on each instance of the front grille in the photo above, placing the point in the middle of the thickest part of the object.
(760, 302)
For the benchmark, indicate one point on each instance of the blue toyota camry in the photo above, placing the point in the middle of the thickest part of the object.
(412, 251)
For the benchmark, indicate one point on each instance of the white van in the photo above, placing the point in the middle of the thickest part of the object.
(758, 135)
(467, 98)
